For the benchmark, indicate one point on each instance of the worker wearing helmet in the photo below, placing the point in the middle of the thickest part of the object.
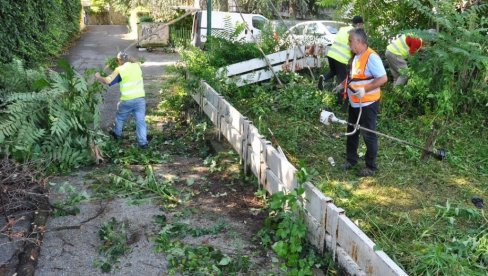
(132, 96)
(396, 55)
(339, 54)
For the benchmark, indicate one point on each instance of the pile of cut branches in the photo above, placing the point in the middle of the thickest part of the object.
(22, 201)
(20, 190)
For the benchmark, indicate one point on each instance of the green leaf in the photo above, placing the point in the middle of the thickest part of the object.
(190, 181)
(280, 248)
(225, 261)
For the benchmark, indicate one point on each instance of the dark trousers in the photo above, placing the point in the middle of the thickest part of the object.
(340, 71)
(368, 120)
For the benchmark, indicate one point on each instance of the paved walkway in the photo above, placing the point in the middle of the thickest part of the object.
(70, 243)
(101, 42)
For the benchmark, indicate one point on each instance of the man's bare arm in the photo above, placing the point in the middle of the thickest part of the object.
(108, 79)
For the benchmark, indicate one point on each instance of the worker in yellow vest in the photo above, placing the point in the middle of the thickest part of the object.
(339, 54)
(396, 54)
(132, 96)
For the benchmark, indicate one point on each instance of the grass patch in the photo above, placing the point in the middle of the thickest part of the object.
(398, 207)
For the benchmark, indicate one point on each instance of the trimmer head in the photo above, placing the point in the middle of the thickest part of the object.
(440, 154)
(327, 117)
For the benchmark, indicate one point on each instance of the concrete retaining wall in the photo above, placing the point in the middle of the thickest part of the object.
(328, 226)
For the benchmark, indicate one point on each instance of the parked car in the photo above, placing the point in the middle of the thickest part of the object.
(224, 23)
(280, 27)
(313, 32)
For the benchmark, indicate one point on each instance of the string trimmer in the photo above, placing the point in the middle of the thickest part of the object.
(327, 117)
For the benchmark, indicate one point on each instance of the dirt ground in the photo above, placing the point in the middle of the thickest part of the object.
(71, 243)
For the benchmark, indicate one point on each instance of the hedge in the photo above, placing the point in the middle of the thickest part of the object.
(34, 30)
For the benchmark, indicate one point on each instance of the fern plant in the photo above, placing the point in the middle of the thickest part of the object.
(51, 118)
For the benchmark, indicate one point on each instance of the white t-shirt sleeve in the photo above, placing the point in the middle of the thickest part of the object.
(375, 67)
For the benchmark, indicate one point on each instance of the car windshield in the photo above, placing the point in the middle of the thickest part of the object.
(331, 29)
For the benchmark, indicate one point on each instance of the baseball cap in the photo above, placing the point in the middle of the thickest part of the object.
(357, 19)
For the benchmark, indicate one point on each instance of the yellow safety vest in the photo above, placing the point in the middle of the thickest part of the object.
(340, 50)
(399, 46)
(132, 85)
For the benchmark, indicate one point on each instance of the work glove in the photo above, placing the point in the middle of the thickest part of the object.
(338, 89)
(360, 93)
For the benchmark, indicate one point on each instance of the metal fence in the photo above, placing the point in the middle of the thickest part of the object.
(180, 37)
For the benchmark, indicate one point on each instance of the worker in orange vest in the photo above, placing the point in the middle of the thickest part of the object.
(366, 75)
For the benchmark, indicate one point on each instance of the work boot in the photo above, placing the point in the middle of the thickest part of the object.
(366, 172)
(347, 166)
(320, 85)
(115, 136)
(143, 147)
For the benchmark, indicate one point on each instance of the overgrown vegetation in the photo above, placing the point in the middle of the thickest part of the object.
(459, 252)
(450, 77)
(285, 230)
(35, 30)
(398, 208)
(48, 117)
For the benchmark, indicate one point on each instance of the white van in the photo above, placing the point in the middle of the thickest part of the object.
(221, 28)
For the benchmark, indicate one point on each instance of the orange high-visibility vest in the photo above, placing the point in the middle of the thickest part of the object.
(359, 79)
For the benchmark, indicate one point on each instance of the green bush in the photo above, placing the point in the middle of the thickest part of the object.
(50, 118)
(146, 18)
(450, 77)
(222, 52)
(35, 30)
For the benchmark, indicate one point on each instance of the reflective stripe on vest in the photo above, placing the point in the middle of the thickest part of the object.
(359, 79)
(340, 50)
(132, 85)
(399, 46)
